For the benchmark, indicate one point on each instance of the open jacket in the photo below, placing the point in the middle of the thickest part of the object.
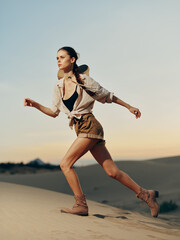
(84, 103)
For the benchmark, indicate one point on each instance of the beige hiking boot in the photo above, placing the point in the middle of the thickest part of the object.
(79, 208)
(149, 196)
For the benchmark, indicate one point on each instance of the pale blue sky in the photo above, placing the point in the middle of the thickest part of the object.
(132, 48)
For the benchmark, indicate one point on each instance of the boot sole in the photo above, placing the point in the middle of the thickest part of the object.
(79, 214)
(83, 214)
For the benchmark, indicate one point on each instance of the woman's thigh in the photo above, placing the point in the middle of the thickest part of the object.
(78, 148)
(103, 157)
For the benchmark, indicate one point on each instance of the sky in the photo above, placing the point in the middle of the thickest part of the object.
(132, 48)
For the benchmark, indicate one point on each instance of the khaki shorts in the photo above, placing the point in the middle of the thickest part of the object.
(89, 127)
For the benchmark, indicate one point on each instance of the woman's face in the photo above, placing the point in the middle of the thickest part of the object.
(64, 61)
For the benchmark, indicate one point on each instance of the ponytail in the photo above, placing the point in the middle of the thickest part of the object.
(79, 80)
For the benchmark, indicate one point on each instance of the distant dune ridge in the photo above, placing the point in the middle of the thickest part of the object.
(159, 174)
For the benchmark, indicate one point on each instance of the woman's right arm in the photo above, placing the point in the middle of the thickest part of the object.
(31, 103)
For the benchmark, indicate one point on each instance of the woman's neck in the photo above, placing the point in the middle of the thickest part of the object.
(69, 77)
(68, 74)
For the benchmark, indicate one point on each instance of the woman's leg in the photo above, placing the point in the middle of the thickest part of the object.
(103, 157)
(79, 147)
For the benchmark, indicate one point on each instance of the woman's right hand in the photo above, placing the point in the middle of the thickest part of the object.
(29, 102)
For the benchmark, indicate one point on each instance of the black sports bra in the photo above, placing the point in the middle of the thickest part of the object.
(69, 103)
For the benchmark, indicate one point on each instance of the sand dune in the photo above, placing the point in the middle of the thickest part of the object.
(28, 213)
(160, 174)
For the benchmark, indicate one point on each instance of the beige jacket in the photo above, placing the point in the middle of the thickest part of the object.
(84, 103)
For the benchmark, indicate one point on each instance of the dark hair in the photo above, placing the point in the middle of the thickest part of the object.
(72, 53)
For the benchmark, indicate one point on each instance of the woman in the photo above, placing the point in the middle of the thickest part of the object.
(74, 95)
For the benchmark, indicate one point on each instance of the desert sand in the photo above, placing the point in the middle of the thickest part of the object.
(28, 213)
(30, 204)
(159, 174)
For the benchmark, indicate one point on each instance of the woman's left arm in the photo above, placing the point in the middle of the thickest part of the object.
(104, 96)
(133, 110)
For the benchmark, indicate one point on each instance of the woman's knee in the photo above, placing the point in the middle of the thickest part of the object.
(113, 173)
(65, 167)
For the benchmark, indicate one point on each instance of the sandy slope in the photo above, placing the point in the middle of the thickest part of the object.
(161, 174)
(28, 213)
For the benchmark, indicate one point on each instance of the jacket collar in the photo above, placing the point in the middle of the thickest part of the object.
(60, 83)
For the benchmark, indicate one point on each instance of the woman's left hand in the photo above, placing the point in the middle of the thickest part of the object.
(135, 111)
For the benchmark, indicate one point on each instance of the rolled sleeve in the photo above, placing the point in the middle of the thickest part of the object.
(109, 97)
(103, 96)
(100, 93)
(56, 101)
